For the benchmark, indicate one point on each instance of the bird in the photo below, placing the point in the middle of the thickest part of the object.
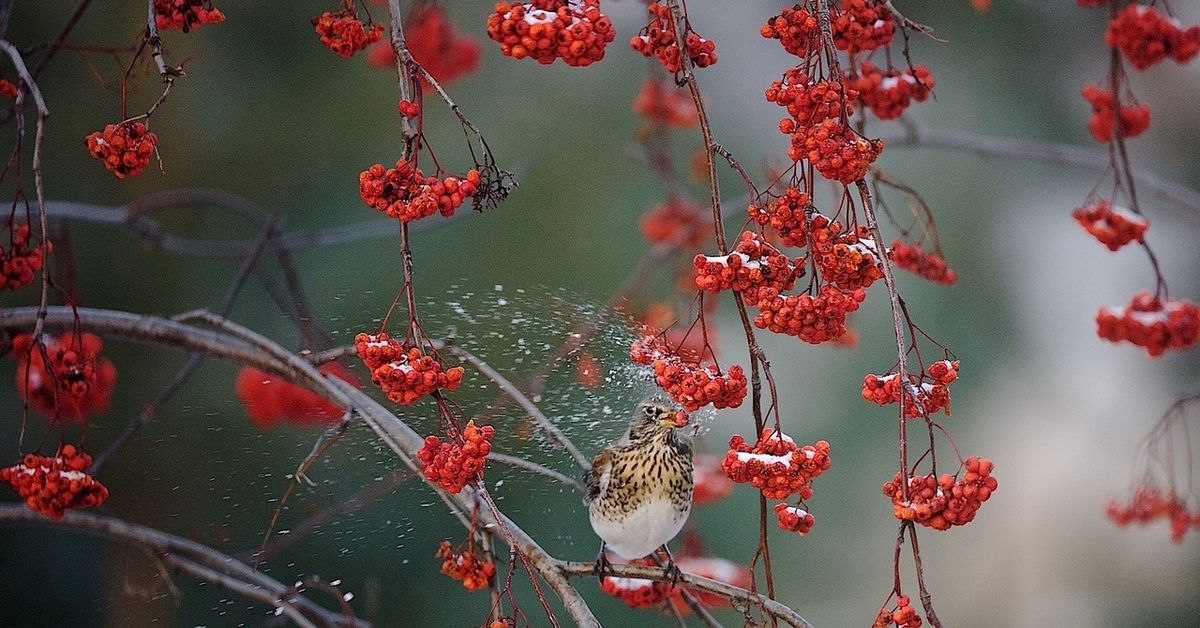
(639, 489)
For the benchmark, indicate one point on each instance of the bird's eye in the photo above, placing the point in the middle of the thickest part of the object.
(649, 410)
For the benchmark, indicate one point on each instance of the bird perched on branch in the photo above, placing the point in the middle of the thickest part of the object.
(640, 488)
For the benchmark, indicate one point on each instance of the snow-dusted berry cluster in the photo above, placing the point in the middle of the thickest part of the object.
(933, 395)
(1113, 226)
(687, 382)
(454, 463)
(775, 465)
(658, 40)
(1152, 323)
(54, 485)
(545, 30)
(404, 373)
(405, 193)
(943, 501)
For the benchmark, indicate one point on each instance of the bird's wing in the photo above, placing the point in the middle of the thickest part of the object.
(597, 478)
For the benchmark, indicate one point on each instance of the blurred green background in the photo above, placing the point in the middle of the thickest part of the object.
(269, 114)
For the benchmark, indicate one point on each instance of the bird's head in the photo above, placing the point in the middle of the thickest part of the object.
(656, 416)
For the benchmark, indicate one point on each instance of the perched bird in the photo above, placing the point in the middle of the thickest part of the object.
(640, 488)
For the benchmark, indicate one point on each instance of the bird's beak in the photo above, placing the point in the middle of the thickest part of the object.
(675, 419)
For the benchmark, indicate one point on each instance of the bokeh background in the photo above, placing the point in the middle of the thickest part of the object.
(269, 114)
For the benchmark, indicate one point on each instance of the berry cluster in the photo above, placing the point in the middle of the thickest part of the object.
(710, 482)
(753, 265)
(1148, 504)
(794, 519)
(124, 148)
(7, 89)
(835, 149)
(811, 319)
(677, 221)
(52, 486)
(77, 382)
(1152, 323)
(775, 465)
(717, 569)
(657, 39)
(466, 566)
(1113, 226)
(405, 193)
(903, 615)
(635, 592)
(433, 41)
(19, 263)
(809, 101)
(270, 400)
(847, 259)
(1134, 118)
(545, 30)
(786, 216)
(796, 29)
(343, 33)
(889, 93)
(861, 25)
(941, 502)
(687, 382)
(185, 14)
(930, 265)
(404, 374)
(1146, 37)
(933, 395)
(662, 106)
(452, 465)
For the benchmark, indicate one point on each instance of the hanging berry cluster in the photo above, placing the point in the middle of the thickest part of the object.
(786, 216)
(1113, 226)
(813, 319)
(1149, 504)
(754, 265)
(52, 486)
(933, 396)
(928, 265)
(635, 592)
(19, 263)
(794, 519)
(405, 193)
(454, 464)
(124, 148)
(943, 501)
(405, 374)
(464, 565)
(343, 33)
(658, 40)
(1133, 119)
(675, 220)
(775, 465)
(1152, 323)
(270, 400)
(691, 385)
(1145, 37)
(902, 615)
(847, 259)
(545, 30)
(889, 92)
(433, 41)
(77, 382)
(185, 14)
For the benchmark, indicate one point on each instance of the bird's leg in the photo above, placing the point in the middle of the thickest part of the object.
(603, 567)
(671, 571)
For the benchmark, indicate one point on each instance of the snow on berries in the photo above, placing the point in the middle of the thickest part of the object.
(658, 40)
(794, 519)
(888, 93)
(711, 567)
(270, 400)
(687, 382)
(1146, 37)
(343, 33)
(545, 30)
(1134, 119)
(405, 193)
(943, 501)
(405, 374)
(19, 263)
(1152, 323)
(635, 592)
(185, 14)
(124, 148)
(454, 463)
(847, 259)
(775, 465)
(932, 395)
(54, 485)
(813, 319)
(860, 25)
(925, 264)
(1150, 503)
(752, 266)
(1113, 226)
(77, 382)
(466, 566)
